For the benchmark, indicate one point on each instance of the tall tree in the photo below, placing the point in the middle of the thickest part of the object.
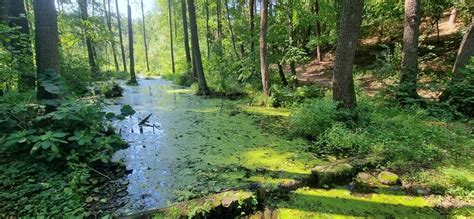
(263, 49)
(20, 45)
(133, 78)
(231, 29)
(343, 82)
(208, 36)
(122, 47)
(318, 30)
(465, 52)
(411, 32)
(109, 26)
(90, 47)
(252, 23)
(196, 50)
(46, 44)
(144, 37)
(170, 24)
(186, 33)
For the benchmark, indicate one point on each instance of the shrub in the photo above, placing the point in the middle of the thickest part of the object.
(313, 118)
(340, 140)
(285, 96)
(461, 90)
(109, 89)
(76, 74)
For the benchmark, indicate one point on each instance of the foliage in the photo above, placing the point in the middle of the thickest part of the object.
(461, 90)
(76, 74)
(109, 89)
(53, 148)
(284, 96)
(313, 118)
(406, 139)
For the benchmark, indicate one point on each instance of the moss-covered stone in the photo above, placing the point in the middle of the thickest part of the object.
(365, 182)
(388, 178)
(226, 203)
(332, 173)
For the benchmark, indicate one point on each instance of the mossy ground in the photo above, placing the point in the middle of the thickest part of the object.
(340, 203)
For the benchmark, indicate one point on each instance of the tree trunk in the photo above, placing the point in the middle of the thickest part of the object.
(196, 50)
(122, 47)
(46, 44)
(453, 17)
(409, 72)
(231, 29)
(343, 82)
(133, 78)
(219, 27)
(252, 24)
(318, 31)
(466, 51)
(291, 44)
(109, 26)
(282, 74)
(21, 46)
(170, 24)
(144, 38)
(89, 45)
(186, 35)
(208, 42)
(263, 49)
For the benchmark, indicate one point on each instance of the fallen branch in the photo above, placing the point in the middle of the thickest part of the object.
(145, 120)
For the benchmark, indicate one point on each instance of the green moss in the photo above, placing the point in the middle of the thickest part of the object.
(339, 203)
(388, 178)
(332, 173)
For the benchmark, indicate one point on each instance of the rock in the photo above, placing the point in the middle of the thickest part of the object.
(388, 178)
(365, 182)
(290, 185)
(333, 173)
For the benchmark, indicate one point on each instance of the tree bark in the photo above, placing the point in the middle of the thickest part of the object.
(122, 47)
(343, 82)
(133, 78)
(466, 51)
(186, 36)
(231, 30)
(46, 43)
(411, 32)
(170, 24)
(219, 27)
(252, 24)
(263, 49)
(282, 74)
(89, 45)
(453, 17)
(144, 38)
(109, 26)
(208, 42)
(196, 50)
(21, 45)
(318, 31)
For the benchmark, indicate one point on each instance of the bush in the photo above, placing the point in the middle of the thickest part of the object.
(312, 119)
(461, 90)
(76, 74)
(110, 89)
(285, 96)
(340, 140)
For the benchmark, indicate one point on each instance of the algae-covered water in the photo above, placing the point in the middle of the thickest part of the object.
(197, 146)
(200, 146)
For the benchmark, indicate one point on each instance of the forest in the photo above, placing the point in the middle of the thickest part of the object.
(237, 108)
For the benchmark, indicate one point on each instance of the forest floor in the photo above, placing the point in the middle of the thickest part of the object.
(199, 146)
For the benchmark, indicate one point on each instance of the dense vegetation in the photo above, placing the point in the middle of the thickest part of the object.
(351, 85)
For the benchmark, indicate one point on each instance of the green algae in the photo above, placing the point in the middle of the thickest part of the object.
(340, 203)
